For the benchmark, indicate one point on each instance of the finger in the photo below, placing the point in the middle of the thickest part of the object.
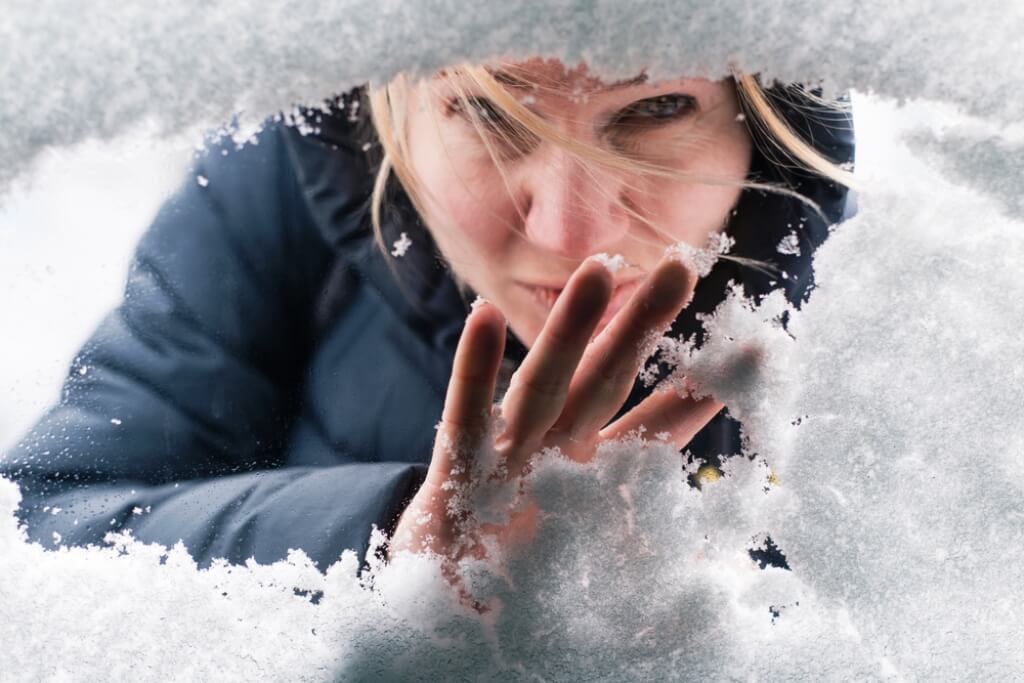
(666, 413)
(539, 387)
(611, 363)
(467, 404)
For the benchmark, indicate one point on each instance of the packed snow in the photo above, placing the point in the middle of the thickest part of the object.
(882, 422)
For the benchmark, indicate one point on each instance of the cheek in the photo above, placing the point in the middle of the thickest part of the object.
(468, 210)
(691, 211)
(480, 213)
(468, 207)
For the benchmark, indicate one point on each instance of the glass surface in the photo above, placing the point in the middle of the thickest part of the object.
(271, 387)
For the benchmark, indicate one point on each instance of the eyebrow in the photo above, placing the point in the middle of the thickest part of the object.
(639, 79)
(508, 79)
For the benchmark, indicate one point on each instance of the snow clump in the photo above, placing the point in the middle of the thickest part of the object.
(612, 263)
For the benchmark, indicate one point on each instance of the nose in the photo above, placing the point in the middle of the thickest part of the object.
(573, 208)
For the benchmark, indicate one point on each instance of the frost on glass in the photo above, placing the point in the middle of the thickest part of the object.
(73, 71)
(883, 423)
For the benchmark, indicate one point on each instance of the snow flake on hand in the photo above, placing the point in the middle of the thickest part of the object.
(701, 261)
(612, 262)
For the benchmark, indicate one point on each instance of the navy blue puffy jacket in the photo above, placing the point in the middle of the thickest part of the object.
(268, 383)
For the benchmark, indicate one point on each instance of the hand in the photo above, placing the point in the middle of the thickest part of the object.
(562, 395)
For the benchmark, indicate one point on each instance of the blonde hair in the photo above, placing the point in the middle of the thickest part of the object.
(388, 113)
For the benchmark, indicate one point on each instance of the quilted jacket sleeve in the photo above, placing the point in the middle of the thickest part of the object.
(174, 413)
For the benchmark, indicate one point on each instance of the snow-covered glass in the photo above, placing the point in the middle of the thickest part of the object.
(883, 448)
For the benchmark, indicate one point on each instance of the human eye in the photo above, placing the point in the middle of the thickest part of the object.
(492, 124)
(655, 111)
(479, 109)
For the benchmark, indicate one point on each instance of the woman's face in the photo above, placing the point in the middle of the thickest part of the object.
(515, 231)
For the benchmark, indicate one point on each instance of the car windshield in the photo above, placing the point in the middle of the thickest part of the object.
(288, 291)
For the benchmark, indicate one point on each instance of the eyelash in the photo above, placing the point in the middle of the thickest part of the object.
(512, 139)
(677, 106)
(478, 104)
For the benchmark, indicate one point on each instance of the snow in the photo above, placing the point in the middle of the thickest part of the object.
(71, 71)
(702, 260)
(66, 238)
(888, 470)
(790, 244)
(401, 245)
(882, 424)
(613, 263)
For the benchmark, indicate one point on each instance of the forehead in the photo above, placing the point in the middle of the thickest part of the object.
(539, 75)
(547, 74)
(552, 74)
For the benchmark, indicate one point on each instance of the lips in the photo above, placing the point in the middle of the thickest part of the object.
(547, 296)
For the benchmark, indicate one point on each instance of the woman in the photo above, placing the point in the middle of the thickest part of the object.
(273, 378)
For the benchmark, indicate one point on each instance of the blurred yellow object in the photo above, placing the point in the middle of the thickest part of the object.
(707, 474)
